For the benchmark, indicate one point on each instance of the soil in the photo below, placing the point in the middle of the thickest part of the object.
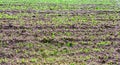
(12, 33)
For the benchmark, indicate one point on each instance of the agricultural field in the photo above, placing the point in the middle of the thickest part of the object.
(59, 32)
